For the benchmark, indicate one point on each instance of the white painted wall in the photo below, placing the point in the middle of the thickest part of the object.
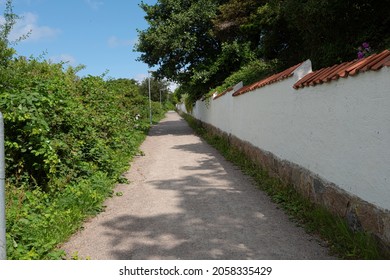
(338, 130)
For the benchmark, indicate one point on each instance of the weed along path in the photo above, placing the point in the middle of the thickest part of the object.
(185, 201)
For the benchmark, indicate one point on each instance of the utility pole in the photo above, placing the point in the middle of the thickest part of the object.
(150, 99)
(3, 248)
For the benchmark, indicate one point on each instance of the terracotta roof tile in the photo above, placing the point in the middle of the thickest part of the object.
(272, 79)
(343, 70)
(223, 93)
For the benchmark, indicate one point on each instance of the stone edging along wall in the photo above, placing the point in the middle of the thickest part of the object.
(359, 214)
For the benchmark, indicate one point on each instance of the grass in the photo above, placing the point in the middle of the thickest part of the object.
(38, 221)
(340, 239)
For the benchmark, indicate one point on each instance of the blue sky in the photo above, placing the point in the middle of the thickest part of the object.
(99, 34)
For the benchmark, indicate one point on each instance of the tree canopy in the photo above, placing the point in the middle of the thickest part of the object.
(158, 88)
(198, 44)
(179, 38)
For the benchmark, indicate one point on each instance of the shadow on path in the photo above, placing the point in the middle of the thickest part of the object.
(214, 212)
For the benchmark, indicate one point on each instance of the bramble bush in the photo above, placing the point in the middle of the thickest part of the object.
(67, 142)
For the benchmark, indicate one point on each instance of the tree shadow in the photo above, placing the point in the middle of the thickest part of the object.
(176, 127)
(221, 216)
(213, 212)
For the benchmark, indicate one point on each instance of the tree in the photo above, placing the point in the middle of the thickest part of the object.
(231, 17)
(326, 31)
(180, 40)
(198, 44)
(157, 86)
(330, 31)
(10, 18)
(127, 87)
(258, 25)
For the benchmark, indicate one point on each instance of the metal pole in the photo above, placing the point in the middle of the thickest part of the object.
(3, 248)
(150, 100)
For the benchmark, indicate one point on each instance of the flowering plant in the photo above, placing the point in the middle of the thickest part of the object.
(364, 50)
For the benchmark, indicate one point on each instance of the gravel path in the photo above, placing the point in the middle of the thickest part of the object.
(185, 201)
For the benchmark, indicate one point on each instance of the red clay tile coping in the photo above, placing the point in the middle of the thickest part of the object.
(343, 70)
(223, 93)
(272, 79)
(324, 75)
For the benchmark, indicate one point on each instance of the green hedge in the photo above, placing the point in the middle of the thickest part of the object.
(67, 142)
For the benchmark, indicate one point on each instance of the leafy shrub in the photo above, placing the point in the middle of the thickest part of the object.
(67, 141)
(248, 74)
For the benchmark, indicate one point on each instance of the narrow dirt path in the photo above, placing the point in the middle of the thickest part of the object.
(185, 201)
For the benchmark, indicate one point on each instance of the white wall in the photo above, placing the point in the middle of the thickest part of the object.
(338, 130)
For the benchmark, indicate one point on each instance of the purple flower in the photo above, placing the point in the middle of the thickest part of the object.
(364, 50)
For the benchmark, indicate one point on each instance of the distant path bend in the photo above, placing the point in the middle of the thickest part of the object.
(185, 201)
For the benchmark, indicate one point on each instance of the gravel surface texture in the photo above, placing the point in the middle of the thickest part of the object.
(185, 201)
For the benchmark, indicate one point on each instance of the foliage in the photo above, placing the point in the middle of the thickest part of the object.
(233, 55)
(157, 87)
(67, 142)
(68, 139)
(179, 38)
(38, 221)
(231, 16)
(198, 44)
(248, 74)
(356, 22)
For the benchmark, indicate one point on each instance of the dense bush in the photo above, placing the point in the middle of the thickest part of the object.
(248, 74)
(67, 141)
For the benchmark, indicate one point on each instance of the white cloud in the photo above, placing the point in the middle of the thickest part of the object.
(140, 77)
(28, 25)
(114, 42)
(94, 4)
(173, 86)
(65, 58)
